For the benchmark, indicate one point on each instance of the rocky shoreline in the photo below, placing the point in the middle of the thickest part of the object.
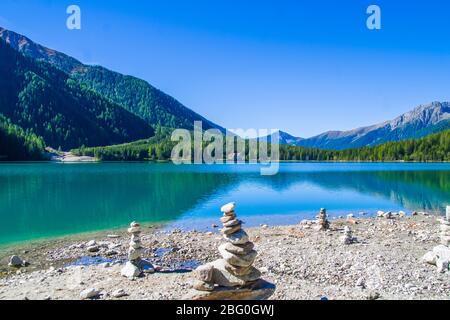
(385, 262)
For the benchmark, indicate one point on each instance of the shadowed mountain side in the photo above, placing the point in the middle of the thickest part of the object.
(42, 99)
(135, 95)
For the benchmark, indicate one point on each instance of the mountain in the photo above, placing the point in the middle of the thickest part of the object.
(42, 99)
(422, 121)
(133, 94)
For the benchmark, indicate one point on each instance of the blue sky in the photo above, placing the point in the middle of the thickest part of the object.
(301, 66)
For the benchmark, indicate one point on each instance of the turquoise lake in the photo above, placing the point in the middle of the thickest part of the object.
(44, 200)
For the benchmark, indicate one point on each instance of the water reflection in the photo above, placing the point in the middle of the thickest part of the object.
(42, 200)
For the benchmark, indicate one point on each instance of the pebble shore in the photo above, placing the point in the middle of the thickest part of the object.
(303, 263)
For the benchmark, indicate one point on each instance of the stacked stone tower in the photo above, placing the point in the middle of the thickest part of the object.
(322, 222)
(348, 236)
(135, 264)
(233, 276)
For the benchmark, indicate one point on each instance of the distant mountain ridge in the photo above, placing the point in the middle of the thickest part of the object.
(133, 94)
(71, 104)
(421, 121)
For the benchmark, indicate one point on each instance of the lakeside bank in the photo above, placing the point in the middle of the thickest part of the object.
(385, 263)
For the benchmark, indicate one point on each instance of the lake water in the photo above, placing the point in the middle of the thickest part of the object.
(42, 200)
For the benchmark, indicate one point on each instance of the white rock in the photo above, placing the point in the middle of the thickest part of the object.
(445, 240)
(119, 293)
(442, 265)
(89, 293)
(351, 215)
(361, 283)
(93, 249)
(442, 251)
(429, 257)
(91, 243)
(228, 207)
(130, 271)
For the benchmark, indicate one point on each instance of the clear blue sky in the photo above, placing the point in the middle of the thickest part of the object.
(301, 66)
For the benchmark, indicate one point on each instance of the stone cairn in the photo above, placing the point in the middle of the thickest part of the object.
(233, 276)
(135, 264)
(348, 236)
(440, 255)
(322, 222)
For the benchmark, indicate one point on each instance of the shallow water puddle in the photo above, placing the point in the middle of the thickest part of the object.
(89, 261)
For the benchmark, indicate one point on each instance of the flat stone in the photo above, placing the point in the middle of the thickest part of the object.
(238, 260)
(89, 293)
(238, 271)
(430, 258)
(93, 249)
(228, 208)
(259, 290)
(240, 249)
(225, 219)
(222, 277)
(135, 230)
(130, 271)
(240, 237)
(134, 254)
(203, 286)
(232, 223)
(135, 244)
(119, 293)
(231, 230)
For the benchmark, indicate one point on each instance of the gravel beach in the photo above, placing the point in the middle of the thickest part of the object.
(384, 263)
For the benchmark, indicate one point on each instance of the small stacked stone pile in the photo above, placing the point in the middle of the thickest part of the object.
(348, 236)
(322, 222)
(135, 264)
(440, 256)
(233, 276)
